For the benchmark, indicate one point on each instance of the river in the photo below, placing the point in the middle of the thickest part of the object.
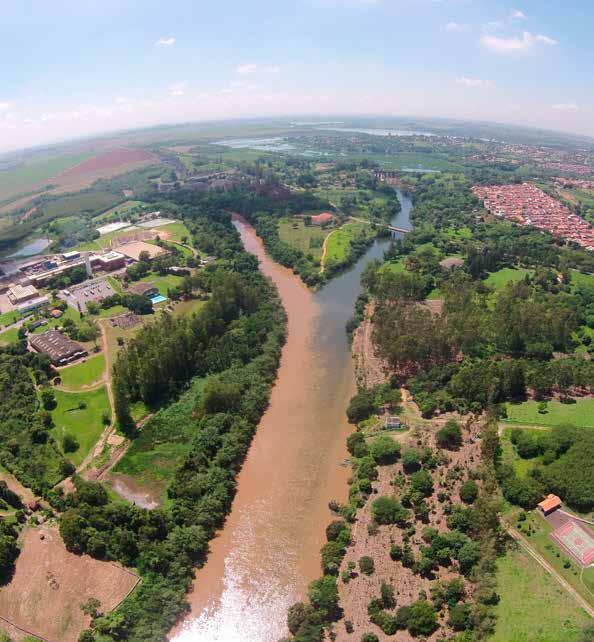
(268, 551)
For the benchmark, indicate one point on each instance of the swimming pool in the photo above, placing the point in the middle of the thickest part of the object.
(158, 298)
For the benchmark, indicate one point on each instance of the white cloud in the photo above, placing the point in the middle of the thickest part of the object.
(516, 44)
(518, 15)
(5, 105)
(178, 89)
(570, 107)
(252, 68)
(475, 83)
(456, 27)
(165, 42)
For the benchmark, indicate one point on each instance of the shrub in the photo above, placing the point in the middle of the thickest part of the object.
(366, 565)
(369, 637)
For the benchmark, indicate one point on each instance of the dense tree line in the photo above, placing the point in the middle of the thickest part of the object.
(214, 370)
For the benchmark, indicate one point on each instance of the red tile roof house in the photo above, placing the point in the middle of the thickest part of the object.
(322, 219)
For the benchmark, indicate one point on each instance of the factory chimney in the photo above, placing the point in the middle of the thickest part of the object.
(88, 264)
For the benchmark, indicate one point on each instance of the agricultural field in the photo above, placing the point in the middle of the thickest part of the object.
(50, 584)
(501, 278)
(82, 375)
(533, 606)
(32, 173)
(91, 202)
(80, 414)
(121, 210)
(580, 413)
(307, 238)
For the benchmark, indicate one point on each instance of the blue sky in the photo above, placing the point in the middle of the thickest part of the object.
(80, 67)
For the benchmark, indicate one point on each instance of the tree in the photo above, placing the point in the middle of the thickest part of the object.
(48, 399)
(469, 491)
(421, 618)
(361, 406)
(387, 510)
(450, 436)
(69, 443)
(385, 450)
(369, 637)
(421, 482)
(323, 595)
(356, 444)
(122, 407)
(460, 617)
(411, 460)
(468, 556)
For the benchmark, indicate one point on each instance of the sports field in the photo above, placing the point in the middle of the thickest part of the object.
(83, 374)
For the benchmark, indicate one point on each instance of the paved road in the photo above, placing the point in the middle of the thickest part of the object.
(540, 559)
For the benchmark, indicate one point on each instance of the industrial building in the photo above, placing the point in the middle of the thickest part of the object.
(59, 348)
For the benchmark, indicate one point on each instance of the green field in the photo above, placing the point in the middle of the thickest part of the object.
(9, 336)
(164, 441)
(579, 278)
(510, 456)
(85, 424)
(32, 173)
(8, 318)
(83, 374)
(307, 238)
(120, 210)
(339, 242)
(506, 275)
(163, 283)
(92, 202)
(533, 606)
(176, 231)
(537, 531)
(580, 413)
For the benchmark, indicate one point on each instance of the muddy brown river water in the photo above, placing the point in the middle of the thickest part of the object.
(268, 551)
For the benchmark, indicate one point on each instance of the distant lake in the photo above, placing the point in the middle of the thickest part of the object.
(276, 144)
(31, 249)
(377, 132)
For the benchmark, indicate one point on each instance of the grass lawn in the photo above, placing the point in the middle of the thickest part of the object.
(537, 531)
(580, 413)
(175, 231)
(85, 424)
(506, 275)
(579, 278)
(307, 238)
(187, 307)
(8, 318)
(162, 443)
(163, 283)
(9, 336)
(83, 374)
(339, 243)
(533, 606)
